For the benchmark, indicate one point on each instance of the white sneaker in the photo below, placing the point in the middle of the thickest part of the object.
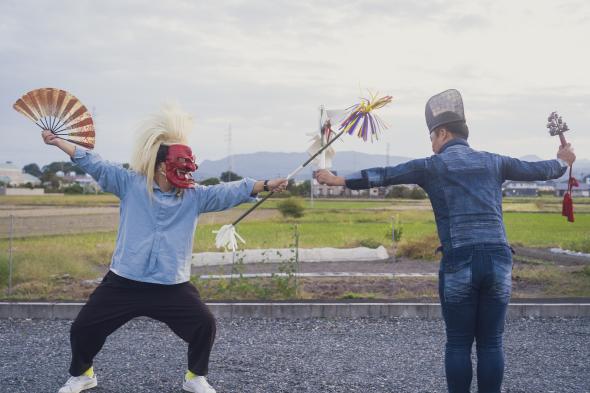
(77, 384)
(197, 385)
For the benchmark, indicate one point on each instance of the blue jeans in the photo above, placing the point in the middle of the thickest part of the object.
(475, 284)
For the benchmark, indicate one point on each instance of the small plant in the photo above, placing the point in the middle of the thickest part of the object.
(285, 285)
(291, 207)
(355, 295)
(396, 231)
(369, 243)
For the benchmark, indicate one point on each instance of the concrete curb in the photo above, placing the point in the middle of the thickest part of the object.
(43, 310)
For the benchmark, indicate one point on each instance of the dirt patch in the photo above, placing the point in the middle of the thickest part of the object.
(401, 265)
(62, 288)
(369, 288)
(63, 220)
(544, 254)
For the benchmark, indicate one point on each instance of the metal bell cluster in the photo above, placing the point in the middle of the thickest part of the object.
(556, 125)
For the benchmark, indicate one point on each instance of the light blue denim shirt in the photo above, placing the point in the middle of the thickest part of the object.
(464, 187)
(155, 237)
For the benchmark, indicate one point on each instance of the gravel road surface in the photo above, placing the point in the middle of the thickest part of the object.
(255, 355)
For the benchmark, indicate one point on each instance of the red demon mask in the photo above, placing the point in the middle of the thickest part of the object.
(180, 163)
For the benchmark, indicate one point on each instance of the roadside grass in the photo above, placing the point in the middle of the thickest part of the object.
(580, 245)
(548, 281)
(551, 281)
(41, 264)
(356, 295)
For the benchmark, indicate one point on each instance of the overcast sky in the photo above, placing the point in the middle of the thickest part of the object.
(265, 67)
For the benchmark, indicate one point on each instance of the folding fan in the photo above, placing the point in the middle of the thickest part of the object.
(59, 112)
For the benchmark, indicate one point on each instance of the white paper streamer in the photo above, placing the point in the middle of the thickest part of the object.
(227, 238)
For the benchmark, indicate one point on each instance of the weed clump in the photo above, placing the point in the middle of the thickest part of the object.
(291, 207)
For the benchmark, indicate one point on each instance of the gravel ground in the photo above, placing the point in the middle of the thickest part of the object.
(254, 355)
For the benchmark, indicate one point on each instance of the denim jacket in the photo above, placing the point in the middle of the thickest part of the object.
(464, 187)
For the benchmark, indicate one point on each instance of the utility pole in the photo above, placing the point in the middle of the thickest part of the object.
(229, 152)
(311, 186)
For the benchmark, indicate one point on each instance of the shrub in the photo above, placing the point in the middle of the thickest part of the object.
(291, 207)
(421, 248)
(418, 193)
(369, 243)
(396, 192)
(582, 245)
(406, 192)
(211, 181)
(74, 189)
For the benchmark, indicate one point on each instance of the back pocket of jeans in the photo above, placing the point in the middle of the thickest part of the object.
(457, 277)
(501, 260)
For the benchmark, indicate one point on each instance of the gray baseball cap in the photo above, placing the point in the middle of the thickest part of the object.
(444, 108)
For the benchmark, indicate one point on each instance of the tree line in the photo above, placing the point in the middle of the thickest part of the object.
(53, 183)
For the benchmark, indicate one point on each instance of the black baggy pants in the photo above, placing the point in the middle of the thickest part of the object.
(117, 300)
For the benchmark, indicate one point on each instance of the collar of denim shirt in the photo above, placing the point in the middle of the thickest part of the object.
(453, 142)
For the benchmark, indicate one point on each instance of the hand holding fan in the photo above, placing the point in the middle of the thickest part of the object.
(59, 112)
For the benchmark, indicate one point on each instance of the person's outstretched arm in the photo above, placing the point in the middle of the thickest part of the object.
(515, 169)
(111, 177)
(411, 172)
(225, 196)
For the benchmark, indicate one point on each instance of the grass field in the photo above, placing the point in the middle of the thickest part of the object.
(545, 204)
(51, 266)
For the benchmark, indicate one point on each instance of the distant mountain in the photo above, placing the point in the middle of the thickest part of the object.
(265, 165)
(581, 168)
(531, 158)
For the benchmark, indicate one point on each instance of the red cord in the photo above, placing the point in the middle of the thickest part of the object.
(567, 207)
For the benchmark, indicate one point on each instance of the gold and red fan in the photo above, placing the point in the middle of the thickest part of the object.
(59, 112)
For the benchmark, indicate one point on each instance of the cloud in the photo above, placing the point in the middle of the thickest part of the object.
(265, 67)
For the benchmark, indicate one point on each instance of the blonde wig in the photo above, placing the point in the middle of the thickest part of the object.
(168, 126)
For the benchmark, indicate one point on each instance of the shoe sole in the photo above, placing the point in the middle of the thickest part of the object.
(187, 389)
(91, 385)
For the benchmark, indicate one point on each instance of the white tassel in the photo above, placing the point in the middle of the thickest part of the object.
(227, 238)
